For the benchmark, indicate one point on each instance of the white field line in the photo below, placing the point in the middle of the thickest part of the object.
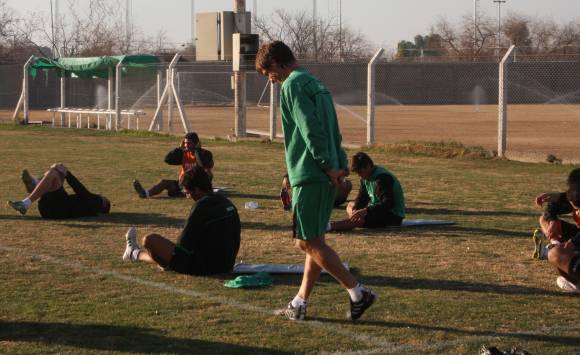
(380, 345)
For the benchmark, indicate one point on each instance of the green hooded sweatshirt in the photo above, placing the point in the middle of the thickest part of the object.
(311, 135)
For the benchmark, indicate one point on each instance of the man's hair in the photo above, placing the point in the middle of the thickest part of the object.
(574, 177)
(573, 194)
(359, 161)
(192, 136)
(105, 205)
(196, 177)
(271, 52)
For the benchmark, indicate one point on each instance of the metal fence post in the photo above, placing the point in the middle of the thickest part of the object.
(502, 103)
(371, 97)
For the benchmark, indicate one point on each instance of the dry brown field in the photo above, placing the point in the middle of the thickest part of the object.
(534, 131)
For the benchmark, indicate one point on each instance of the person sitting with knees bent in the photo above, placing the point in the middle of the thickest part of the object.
(53, 200)
(342, 190)
(209, 242)
(563, 237)
(188, 154)
(380, 201)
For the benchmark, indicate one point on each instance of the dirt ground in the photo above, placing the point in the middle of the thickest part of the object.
(534, 131)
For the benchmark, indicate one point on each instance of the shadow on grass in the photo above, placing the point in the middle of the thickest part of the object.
(19, 217)
(455, 285)
(127, 218)
(448, 231)
(268, 227)
(233, 194)
(557, 339)
(446, 212)
(116, 338)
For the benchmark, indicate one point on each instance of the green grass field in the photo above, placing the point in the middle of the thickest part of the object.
(65, 289)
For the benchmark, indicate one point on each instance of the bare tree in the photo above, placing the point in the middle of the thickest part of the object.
(297, 31)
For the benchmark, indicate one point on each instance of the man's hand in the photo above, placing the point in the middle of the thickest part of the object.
(335, 175)
(359, 215)
(547, 197)
(60, 168)
(554, 230)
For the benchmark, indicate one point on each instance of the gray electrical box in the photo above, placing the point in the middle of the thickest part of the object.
(214, 33)
(245, 47)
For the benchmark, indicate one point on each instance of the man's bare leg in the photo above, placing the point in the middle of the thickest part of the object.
(311, 274)
(158, 188)
(156, 249)
(51, 181)
(327, 258)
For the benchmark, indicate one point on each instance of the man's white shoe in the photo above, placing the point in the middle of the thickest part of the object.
(566, 285)
(132, 249)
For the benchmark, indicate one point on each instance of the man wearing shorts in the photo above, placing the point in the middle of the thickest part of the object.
(563, 237)
(380, 201)
(209, 242)
(53, 200)
(316, 164)
(188, 154)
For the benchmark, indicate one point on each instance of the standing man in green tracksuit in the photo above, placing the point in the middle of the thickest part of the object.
(380, 201)
(316, 165)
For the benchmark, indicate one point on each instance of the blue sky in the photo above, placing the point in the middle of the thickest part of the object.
(384, 22)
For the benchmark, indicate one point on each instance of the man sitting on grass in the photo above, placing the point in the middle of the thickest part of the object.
(563, 238)
(209, 242)
(54, 202)
(380, 201)
(188, 155)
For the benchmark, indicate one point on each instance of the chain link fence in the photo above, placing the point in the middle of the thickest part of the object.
(414, 101)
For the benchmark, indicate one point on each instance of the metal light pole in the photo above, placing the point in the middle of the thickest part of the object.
(499, 2)
(340, 30)
(475, 19)
(314, 30)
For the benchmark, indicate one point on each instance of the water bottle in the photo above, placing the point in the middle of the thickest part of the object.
(251, 205)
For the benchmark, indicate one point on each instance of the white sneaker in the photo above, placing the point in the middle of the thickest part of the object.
(566, 285)
(132, 245)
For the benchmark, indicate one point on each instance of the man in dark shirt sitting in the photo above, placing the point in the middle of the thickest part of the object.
(188, 154)
(209, 242)
(54, 202)
(380, 201)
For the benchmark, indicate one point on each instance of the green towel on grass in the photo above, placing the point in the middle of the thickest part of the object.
(256, 280)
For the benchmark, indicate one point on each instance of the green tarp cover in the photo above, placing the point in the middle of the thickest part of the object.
(91, 67)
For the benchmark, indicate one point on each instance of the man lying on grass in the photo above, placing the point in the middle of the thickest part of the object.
(380, 201)
(188, 154)
(563, 238)
(53, 200)
(209, 242)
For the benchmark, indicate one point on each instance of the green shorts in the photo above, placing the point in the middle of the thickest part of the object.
(312, 205)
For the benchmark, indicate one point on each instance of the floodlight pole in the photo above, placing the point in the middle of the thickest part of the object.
(273, 109)
(499, 2)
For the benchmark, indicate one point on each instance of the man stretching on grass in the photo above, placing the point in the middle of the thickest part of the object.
(563, 237)
(54, 202)
(188, 155)
(316, 163)
(209, 241)
(380, 201)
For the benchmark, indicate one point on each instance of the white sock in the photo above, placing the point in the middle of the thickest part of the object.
(356, 292)
(298, 301)
(27, 202)
(328, 227)
(146, 193)
(135, 254)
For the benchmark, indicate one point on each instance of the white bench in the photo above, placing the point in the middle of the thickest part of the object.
(98, 112)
